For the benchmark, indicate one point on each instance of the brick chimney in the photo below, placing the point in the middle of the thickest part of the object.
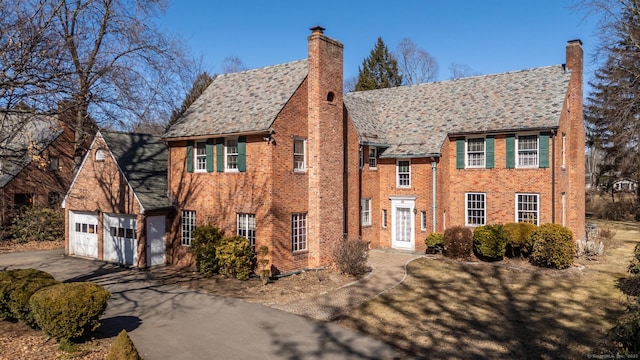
(325, 146)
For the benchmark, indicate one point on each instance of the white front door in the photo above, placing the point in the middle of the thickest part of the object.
(403, 235)
(120, 242)
(156, 234)
(83, 234)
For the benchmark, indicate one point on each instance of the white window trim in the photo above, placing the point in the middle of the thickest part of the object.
(186, 234)
(296, 219)
(100, 155)
(517, 151)
(365, 212)
(398, 174)
(484, 154)
(423, 221)
(466, 208)
(304, 154)
(564, 150)
(243, 226)
(373, 151)
(537, 206)
(227, 154)
(197, 156)
(383, 221)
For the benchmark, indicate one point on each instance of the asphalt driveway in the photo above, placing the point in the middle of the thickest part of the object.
(169, 322)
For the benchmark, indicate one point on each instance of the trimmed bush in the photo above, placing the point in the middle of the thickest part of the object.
(203, 246)
(38, 223)
(490, 241)
(235, 257)
(519, 238)
(69, 311)
(16, 288)
(351, 257)
(457, 242)
(123, 348)
(434, 241)
(553, 247)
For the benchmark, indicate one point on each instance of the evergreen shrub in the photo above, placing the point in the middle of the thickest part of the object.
(434, 241)
(519, 239)
(70, 310)
(235, 257)
(203, 246)
(553, 247)
(38, 223)
(123, 348)
(490, 241)
(16, 288)
(457, 242)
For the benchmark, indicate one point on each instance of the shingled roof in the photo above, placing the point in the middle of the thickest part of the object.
(142, 158)
(21, 137)
(415, 120)
(241, 102)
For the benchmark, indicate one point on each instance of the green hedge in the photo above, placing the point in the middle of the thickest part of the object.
(490, 241)
(69, 311)
(38, 223)
(553, 247)
(519, 237)
(235, 257)
(203, 247)
(16, 288)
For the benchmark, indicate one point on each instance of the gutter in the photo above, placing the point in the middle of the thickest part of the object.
(553, 177)
(269, 131)
(433, 194)
(505, 131)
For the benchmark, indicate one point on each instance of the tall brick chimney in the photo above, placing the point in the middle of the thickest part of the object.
(325, 146)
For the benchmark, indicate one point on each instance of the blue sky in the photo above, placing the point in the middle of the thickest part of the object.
(490, 36)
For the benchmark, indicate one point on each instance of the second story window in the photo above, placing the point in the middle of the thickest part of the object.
(299, 155)
(403, 173)
(201, 156)
(527, 151)
(231, 154)
(475, 153)
(373, 157)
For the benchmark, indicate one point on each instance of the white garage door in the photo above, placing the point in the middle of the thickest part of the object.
(120, 243)
(83, 234)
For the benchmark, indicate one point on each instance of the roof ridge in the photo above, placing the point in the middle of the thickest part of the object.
(261, 68)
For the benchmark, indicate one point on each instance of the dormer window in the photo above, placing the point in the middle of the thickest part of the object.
(100, 155)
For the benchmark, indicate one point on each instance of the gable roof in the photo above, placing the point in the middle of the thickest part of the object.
(415, 120)
(142, 158)
(241, 102)
(21, 137)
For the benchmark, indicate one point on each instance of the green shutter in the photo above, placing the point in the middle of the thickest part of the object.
(242, 154)
(209, 155)
(219, 155)
(489, 148)
(190, 156)
(543, 145)
(511, 151)
(460, 154)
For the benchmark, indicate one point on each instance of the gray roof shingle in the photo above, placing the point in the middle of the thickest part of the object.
(143, 160)
(18, 132)
(241, 102)
(415, 120)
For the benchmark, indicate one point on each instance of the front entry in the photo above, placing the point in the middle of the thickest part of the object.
(402, 213)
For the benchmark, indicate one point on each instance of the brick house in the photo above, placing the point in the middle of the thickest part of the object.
(281, 156)
(117, 205)
(36, 162)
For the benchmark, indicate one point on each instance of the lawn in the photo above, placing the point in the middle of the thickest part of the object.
(507, 309)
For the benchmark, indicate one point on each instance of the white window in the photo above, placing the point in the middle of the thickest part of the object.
(247, 227)
(99, 155)
(231, 154)
(299, 232)
(475, 209)
(200, 160)
(299, 155)
(527, 208)
(384, 218)
(475, 153)
(365, 211)
(423, 220)
(527, 151)
(188, 226)
(403, 173)
(373, 157)
(564, 144)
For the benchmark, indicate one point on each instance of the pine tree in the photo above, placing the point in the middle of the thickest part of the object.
(379, 70)
(199, 86)
(612, 113)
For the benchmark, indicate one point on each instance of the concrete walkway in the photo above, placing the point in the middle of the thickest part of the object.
(389, 270)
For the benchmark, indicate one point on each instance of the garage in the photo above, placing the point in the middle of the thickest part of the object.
(83, 230)
(120, 242)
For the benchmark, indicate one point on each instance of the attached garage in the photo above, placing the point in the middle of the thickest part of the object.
(120, 244)
(83, 234)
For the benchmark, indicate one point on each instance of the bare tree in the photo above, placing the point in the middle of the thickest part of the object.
(105, 61)
(459, 71)
(416, 65)
(350, 84)
(232, 64)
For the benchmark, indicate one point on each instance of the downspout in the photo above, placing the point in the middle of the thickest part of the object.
(433, 193)
(553, 177)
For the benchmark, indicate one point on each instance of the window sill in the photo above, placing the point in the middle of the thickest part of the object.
(300, 172)
(300, 252)
(403, 187)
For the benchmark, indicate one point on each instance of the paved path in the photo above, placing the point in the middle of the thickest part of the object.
(389, 270)
(169, 322)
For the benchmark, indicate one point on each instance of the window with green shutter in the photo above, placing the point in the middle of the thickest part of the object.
(189, 156)
(242, 154)
(490, 149)
(220, 155)
(544, 150)
(511, 151)
(460, 154)
(209, 152)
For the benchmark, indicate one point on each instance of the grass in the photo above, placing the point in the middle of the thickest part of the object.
(508, 310)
